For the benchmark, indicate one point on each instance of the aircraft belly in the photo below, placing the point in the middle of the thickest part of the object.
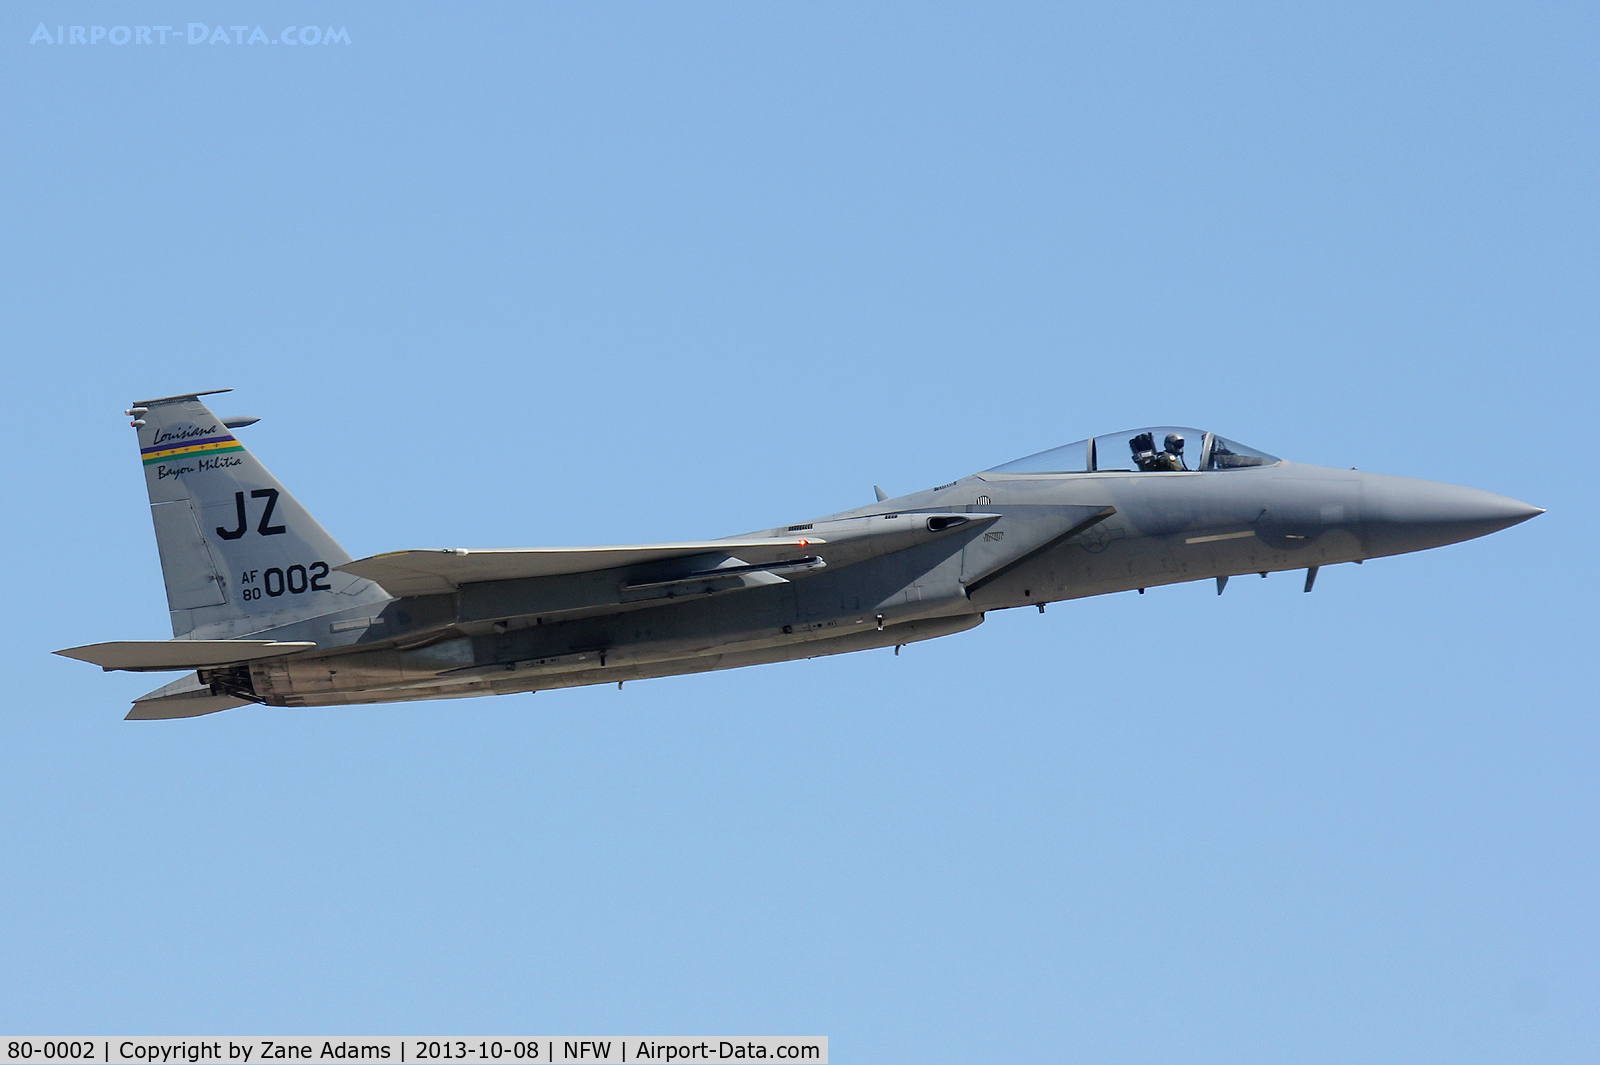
(456, 690)
(823, 644)
(832, 644)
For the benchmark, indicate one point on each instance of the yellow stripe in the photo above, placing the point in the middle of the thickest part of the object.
(182, 449)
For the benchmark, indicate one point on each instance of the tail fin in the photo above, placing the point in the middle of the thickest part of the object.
(239, 553)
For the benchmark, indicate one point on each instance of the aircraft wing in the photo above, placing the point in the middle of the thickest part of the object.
(442, 571)
(157, 655)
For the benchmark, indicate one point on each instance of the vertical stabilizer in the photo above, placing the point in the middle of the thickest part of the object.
(239, 553)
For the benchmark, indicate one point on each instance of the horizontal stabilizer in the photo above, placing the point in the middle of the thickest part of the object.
(182, 698)
(443, 571)
(156, 655)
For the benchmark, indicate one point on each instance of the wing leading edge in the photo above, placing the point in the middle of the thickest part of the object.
(442, 571)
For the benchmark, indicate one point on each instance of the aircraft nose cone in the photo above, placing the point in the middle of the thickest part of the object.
(1407, 514)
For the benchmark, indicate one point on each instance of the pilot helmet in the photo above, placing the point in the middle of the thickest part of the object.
(1174, 443)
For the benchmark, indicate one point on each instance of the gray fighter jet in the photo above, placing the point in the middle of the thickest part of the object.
(267, 608)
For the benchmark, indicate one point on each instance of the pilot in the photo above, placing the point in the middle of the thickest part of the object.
(1172, 457)
(1147, 458)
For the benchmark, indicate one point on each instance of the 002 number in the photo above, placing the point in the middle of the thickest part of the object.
(295, 580)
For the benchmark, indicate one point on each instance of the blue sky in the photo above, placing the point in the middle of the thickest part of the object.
(596, 273)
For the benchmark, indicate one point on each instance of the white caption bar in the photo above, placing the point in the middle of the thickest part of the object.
(531, 1050)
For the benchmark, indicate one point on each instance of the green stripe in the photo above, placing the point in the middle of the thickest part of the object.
(195, 454)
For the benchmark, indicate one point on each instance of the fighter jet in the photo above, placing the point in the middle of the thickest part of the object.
(267, 608)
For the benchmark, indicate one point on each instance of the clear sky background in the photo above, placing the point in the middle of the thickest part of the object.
(535, 274)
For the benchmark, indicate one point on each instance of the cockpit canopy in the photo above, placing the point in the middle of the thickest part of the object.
(1170, 448)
